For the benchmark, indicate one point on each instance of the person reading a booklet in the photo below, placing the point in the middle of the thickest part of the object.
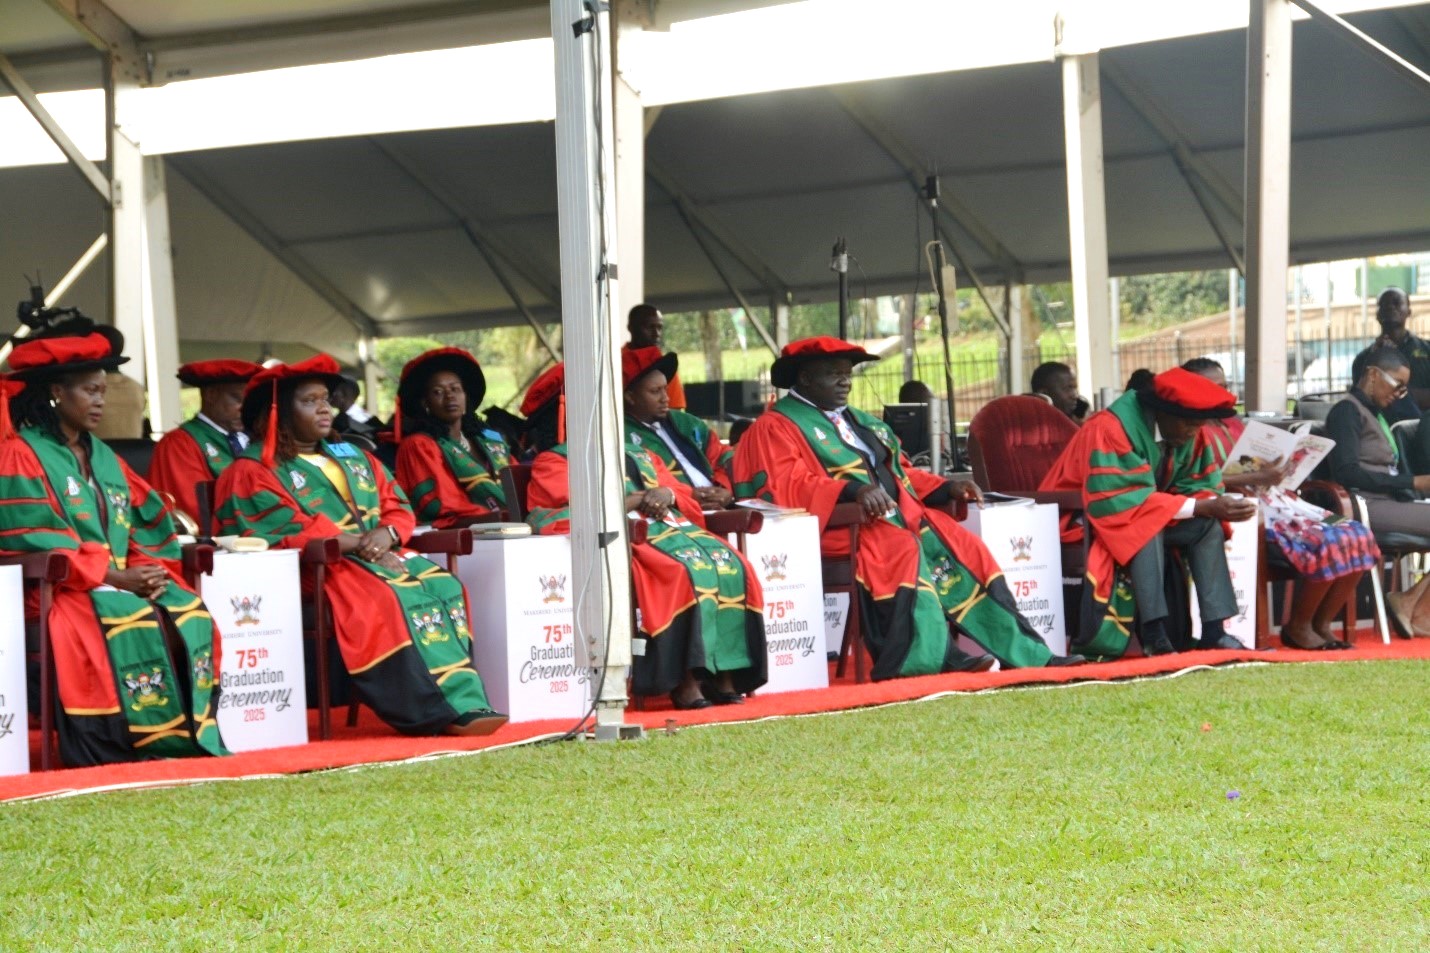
(1146, 487)
(1367, 459)
(924, 579)
(1328, 553)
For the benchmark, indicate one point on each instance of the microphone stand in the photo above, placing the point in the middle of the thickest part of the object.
(840, 265)
(930, 192)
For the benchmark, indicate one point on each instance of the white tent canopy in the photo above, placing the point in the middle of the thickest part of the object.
(764, 183)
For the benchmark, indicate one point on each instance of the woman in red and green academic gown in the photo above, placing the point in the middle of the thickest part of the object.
(448, 463)
(683, 442)
(401, 620)
(198, 450)
(701, 609)
(122, 695)
(923, 578)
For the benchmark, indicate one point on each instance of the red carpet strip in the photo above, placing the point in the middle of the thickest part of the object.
(372, 742)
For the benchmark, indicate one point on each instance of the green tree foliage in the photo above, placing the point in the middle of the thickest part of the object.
(1160, 300)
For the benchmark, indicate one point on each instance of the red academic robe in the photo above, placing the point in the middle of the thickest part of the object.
(420, 459)
(177, 469)
(366, 614)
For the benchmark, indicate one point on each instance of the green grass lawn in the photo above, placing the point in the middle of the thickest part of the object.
(1083, 818)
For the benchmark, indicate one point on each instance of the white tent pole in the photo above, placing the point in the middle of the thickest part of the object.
(160, 317)
(630, 133)
(1268, 201)
(586, 199)
(1087, 220)
(126, 220)
(1115, 300)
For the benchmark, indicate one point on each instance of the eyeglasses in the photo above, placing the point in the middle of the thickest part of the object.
(1400, 389)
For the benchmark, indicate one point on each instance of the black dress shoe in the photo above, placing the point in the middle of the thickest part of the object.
(1306, 648)
(718, 697)
(963, 662)
(1227, 642)
(1064, 661)
(1156, 645)
(695, 704)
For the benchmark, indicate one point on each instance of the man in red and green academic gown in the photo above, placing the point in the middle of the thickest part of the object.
(200, 449)
(136, 654)
(690, 450)
(1126, 478)
(923, 579)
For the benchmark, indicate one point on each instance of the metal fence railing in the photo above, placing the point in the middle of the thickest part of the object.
(1313, 365)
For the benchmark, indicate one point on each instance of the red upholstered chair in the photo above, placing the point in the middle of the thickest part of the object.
(1014, 441)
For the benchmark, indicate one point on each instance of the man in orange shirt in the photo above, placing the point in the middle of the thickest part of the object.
(647, 327)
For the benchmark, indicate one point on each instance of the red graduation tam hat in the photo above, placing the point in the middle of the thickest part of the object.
(418, 371)
(1182, 393)
(544, 389)
(50, 357)
(262, 393)
(785, 370)
(206, 373)
(637, 362)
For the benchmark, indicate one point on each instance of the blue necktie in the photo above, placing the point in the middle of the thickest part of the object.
(235, 444)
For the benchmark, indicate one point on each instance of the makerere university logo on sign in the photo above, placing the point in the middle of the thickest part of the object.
(553, 588)
(1022, 548)
(774, 566)
(245, 609)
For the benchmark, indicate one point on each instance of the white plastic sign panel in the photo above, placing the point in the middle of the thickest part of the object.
(523, 641)
(836, 617)
(1241, 554)
(254, 601)
(14, 711)
(1025, 541)
(785, 557)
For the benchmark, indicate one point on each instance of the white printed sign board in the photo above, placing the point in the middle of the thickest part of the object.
(836, 615)
(785, 557)
(523, 643)
(14, 712)
(1241, 555)
(254, 601)
(1025, 541)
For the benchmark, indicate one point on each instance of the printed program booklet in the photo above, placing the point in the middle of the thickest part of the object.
(1263, 446)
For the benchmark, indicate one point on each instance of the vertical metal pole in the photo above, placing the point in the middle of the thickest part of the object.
(1329, 385)
(1017, 341)
(907, 303)
(371, 373)
(1232, 290)
(1268, 200)
(161, 323)
(779, 320)
(1115, 294)
(1300, 336)
(840, 265)
(585, 191)
(126, 218)
(1087, 219)
(1365, 297)
(630, 133)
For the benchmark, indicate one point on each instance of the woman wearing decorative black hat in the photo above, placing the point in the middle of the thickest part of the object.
(123, 697)
(448, 463)
(401, 620)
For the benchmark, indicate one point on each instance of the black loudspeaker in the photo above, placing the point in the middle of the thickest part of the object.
(910, 423)
(743, 398)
